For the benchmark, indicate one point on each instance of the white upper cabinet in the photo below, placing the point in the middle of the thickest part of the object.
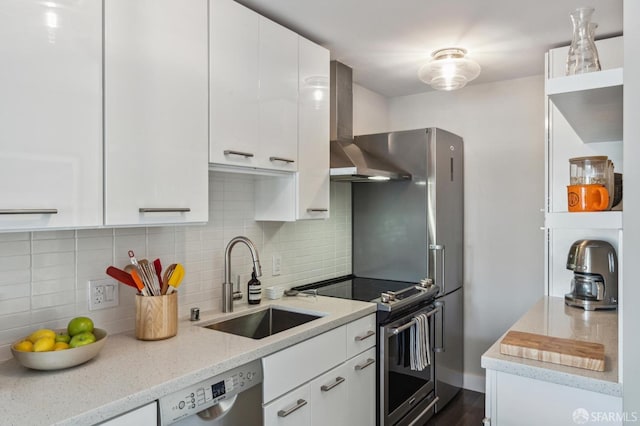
(254, 90)
(278, 96)
(313, 131)
(156, 111)
(234, 84)
(50, 114)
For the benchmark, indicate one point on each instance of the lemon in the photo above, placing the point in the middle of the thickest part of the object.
(44, 344)
(43, 332)
(25, 346)
(60, 346)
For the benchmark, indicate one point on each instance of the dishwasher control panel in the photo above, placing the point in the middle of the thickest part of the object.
(209, 392)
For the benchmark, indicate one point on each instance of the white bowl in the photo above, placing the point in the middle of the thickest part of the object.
(274, 292)
(56, 360)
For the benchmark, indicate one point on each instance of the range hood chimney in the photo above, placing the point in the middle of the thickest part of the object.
(350, 162)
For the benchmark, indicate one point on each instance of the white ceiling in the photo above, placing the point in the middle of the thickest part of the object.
(386, 41)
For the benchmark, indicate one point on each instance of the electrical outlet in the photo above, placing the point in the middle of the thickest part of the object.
(102, 294)
(276, 265)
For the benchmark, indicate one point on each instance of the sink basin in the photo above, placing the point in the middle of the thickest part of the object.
(263, 323)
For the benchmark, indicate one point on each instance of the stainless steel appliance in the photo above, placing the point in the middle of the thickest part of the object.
(229, 399)
(595, 275)
(409, 230)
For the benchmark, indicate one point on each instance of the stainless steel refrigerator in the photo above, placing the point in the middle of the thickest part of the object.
(407, 230)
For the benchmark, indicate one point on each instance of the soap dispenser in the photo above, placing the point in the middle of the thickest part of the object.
(255, 289)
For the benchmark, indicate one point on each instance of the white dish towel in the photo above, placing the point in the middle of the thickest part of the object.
(420, 349)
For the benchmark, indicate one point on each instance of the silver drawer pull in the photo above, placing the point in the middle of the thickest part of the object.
(365, 365)
(366, 336)
(243, 154)
(164, 210)
(286, 160)
(299, 404)
(29, 211)
(312, 210)
(326, 388)
(425, 411)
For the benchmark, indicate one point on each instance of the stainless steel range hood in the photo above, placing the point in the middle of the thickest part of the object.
(350, 162)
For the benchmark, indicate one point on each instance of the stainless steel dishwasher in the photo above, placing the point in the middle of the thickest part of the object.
(228, 399)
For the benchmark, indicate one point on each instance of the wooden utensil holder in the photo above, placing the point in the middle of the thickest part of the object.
(156, 316)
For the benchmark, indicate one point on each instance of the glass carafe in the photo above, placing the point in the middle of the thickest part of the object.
(583, 55)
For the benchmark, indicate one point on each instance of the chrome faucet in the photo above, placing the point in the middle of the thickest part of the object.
(228, 295)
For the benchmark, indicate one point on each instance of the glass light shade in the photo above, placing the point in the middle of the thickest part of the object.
(449, 69)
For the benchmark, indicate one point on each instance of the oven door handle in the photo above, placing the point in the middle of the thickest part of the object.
(402, 328)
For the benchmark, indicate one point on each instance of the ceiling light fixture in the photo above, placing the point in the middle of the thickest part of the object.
(449, 69)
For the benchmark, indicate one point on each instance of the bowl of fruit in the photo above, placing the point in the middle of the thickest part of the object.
(47, 349)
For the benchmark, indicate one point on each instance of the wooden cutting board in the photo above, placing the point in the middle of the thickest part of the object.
(574, 353)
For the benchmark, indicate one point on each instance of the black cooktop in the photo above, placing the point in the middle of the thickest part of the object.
(357, 288)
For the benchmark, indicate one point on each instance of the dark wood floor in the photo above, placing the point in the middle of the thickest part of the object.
(466, 409)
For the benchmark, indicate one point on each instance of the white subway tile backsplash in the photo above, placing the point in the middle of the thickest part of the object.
(44, 274)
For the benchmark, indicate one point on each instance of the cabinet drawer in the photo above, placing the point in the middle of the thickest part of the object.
(292, 409)
(361, 335)
(300, 363)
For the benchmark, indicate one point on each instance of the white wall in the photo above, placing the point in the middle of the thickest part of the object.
(43, 275)
(370, 111)
(631, 216)
(503, 129)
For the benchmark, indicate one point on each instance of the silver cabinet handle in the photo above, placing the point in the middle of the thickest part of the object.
(286, 160)
(299, 404)
(164, 210)
(326, 388)
(311, 210)
(425, 411)
(365, 336)
(29, 211)
(242, 154)
(443, 283)
(367, 363)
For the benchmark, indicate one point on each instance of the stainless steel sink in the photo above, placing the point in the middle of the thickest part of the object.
(263, 323)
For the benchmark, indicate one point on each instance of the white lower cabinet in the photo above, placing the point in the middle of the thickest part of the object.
(292, 409)
(147, 415)
(329, 387)
(522, 401)
(361, 389)
(329, 394)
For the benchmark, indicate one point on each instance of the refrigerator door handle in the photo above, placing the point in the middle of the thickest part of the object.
(440, 307)
(442, 283)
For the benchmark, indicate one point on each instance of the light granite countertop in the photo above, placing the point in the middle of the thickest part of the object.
(551, 317)
(129, 373)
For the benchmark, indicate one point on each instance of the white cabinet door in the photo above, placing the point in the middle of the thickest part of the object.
(513, 399)
(254, 90)
(361, 388)
(234, 84)
(329, 398)
(156, 111)
(278, 124)
(292, 409)
(50, 114)
(147, 415)
(313, 131)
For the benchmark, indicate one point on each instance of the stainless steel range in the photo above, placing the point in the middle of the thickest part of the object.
(405, 395)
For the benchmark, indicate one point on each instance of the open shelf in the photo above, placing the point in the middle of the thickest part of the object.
(591, 103)
(586, 220)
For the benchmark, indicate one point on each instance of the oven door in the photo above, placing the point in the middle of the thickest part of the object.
(406, 396)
